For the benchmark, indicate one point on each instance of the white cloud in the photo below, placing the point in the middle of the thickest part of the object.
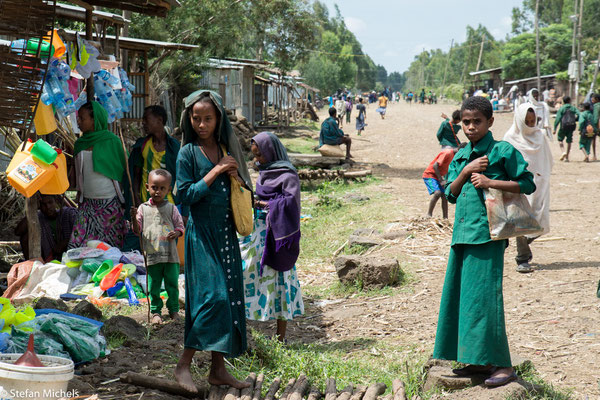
(355, 25)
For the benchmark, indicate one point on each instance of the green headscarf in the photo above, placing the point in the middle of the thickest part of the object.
(224, 131)
(108, 157)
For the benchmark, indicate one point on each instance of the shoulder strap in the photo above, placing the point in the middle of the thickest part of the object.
(455, 138)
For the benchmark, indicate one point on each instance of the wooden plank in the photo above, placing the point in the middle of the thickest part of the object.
(330, 389)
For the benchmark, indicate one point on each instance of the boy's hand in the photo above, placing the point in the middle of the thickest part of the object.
(444, 116)
(480, 181)
(477, 165)
(173, 235)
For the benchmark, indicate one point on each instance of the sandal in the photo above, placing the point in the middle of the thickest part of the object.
(474, 370)
(563, 156)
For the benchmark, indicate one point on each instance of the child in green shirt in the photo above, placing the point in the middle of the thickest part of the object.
(586, 135)
(566, 117)
(448, 131)
(471, 326)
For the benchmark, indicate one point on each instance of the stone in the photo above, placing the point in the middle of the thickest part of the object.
(365, 232)
(126, 327)
(519, 361)
(54, 304)
(443, 377)
(393, 235)
(356, 198)
(373, 272)
(87, 309)
(366, 241)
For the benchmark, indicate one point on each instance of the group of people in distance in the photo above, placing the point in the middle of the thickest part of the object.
(569, 118)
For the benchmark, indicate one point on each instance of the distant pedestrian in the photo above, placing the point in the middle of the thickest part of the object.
(383, 101)
(435, 179)
(586, 130)
(348, 109)
(567, 117)
(362, 116)
(542, 111)
(340, 107)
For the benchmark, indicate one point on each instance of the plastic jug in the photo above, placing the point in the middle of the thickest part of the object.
(43, 152)
(44, 120)
(30, 175)
(20, 155)
(57, 43)
(59, 182)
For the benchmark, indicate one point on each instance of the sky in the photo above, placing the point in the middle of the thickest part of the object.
(393, 32)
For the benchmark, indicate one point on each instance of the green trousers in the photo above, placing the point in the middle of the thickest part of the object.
(169, 273)
(471, 326)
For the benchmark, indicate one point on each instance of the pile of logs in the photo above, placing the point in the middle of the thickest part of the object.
(331, 174)
(244, 131)
(296, 389)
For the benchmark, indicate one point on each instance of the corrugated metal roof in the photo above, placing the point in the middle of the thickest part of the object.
(149, 7)
(530, 79)
(485, 71)
(141, 44)
(78, 13)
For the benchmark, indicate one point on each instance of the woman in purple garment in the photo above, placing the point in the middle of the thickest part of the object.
(269, 254)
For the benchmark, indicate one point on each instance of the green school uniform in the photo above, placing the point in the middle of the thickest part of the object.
(564, 133)
(596, 116)
(330, 132)
(585, 118)
(471, 326)
(446, 136)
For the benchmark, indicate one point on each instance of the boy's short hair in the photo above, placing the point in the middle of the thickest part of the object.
(456, 115)
(587, 106)
(161, 172)
(478, 103)
(566, 99)
(596, 96)
(332, 111)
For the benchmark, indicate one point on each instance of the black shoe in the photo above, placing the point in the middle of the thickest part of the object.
(500, 381)
(470, 370)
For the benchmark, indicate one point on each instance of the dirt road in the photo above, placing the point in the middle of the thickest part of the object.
(551, 314)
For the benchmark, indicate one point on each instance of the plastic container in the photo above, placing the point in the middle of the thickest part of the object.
(30, 175)
(44, 120)
(57, 43)
(43, 152)
(59, 182)
(36, 383)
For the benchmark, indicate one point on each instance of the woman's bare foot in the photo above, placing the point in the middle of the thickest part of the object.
(221, 376)
(184, 378)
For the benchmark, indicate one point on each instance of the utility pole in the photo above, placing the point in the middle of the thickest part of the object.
(446, 69)
(480, 53)
(595, 74)
(537, 45)
(579, 60)
(573, 53)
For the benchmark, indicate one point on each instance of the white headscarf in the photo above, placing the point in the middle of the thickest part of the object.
(533, 144)
(541, 110)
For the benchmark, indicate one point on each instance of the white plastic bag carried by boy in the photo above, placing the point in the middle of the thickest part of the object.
(510, 215)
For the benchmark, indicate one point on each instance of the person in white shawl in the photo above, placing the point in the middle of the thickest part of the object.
(542, 111)
(533, 143)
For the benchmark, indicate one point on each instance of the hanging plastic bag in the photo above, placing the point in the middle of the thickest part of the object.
(509, 215)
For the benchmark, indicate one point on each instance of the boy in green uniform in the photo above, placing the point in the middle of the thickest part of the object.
(331, 134)
(596, 111)
(566, 117)
(471, 326)
(448, 130)
(586, 130)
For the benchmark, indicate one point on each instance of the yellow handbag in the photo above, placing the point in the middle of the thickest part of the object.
(241, 205)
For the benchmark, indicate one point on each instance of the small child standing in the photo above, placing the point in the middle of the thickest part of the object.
(434, 179)
(586, 130)
(471, 327)
(160, 225)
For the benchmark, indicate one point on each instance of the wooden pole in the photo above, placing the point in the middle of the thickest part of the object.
(595, 74)
(537, 45)
(579, 60)
(480, 53)
(34, 230)
(446, 69)
(89, 22)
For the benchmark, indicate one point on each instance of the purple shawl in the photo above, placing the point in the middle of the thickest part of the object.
(278, 183)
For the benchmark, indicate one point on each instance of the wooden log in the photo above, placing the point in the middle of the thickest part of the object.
(273, 389)
(258, 387)
(288, 389)
(398, 390)
(215, 393)
(359, 393)
(315, 393)
(164, 385)
(387, 397)
(346, 393)
(34, 229)
(246, 393)
(299, 388)
(314, 160)
(232, 394)
(330, 389)
(374, 390)
(357, 174)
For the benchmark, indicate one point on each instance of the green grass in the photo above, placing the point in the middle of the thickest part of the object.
(360, 361)
(548, 391)
(300, 144)
(333, 218)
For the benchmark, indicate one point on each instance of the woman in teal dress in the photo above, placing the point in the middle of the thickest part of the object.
(214, 298)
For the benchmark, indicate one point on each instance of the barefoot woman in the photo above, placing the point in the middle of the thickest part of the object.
(214, 299)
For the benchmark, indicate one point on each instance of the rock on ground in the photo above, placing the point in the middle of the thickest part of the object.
(87, 309)
(126, 327)
(55, 304)
(373, 272)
